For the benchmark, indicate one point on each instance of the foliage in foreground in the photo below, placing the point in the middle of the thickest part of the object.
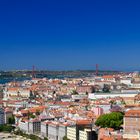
(65, 138)
(6, 128)
(11, 120)
(31, 136)
(112, 120)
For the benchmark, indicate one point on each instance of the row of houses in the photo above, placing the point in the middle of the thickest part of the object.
(54, 130)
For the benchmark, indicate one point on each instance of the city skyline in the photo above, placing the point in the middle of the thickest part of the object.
(70, 35)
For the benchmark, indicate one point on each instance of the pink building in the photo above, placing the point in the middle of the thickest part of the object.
(98, 111)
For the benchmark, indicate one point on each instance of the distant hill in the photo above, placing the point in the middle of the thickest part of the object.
(53, 74)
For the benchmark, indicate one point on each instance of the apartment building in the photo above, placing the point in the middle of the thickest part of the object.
(24, 126)
(84, 89)
(109, 78)
(87, 134)
(132, 124)
(53, 130)
(7, 114)
(34, 126)
(62, 130)
(44, 128)
(2, 116)
(71, 132)
(17, 92)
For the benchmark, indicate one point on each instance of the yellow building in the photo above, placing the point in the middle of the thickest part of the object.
(71, 133)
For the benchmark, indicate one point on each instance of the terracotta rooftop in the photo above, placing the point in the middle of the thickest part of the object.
(132, 113)
(108, 77)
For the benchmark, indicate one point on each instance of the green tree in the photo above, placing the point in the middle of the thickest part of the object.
(112, 102)
(106, 88)
(1, 128)
(6, 128)
(111, 120)
(11, 120)
(31, 96)
(123, 102)
(18, 132)
(74, 92)
(93, 90)
(45, 138)
(37, 112)
(34, 137)
(64, 84)
(32, 116)
(65, 138)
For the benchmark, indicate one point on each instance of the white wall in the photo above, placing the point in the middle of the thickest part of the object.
(112, 95)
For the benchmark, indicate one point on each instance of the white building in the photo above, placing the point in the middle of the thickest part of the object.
(113, 94)
(84, 134)
(17, 92)
(24, 126)
(71, 133)
(7, 114)
(44, 128)
(2, 116)
(30, 126)
(126, 81)
(62, 131)
(109, 78)
(135, 85)
(79, 96)
(53, 129)
(34, 126)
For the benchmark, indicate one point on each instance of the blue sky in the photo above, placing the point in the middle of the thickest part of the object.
(70, 34)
